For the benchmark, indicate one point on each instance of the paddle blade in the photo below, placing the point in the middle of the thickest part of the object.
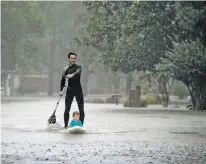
(52, 119)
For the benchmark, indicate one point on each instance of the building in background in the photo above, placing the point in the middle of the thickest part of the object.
(16, 83)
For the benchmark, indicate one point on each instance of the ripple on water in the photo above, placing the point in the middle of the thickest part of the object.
(56, 128)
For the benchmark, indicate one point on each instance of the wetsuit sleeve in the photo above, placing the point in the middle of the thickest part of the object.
(78, 71)
(62, 81)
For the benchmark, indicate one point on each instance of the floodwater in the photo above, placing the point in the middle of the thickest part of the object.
(114, 135)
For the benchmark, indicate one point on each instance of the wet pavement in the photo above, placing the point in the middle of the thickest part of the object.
(115, 134)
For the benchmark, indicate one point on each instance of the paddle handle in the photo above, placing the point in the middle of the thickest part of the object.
(57, 104)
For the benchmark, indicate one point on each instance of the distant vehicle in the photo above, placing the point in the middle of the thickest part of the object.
(2, 91)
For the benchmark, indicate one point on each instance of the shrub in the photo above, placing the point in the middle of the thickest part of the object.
(126, 102)
(149, 99)
(143, 103)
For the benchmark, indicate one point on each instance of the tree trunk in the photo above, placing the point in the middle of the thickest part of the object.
(85, 79)
(165, 100)
(198, 96)
(105, 84)
(129, 83)
(51, 64)
(164, 87)
(116, 83)
(100, 83)
(108, 86)
(85, 91)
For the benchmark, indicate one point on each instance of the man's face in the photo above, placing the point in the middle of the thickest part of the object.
(72, 59)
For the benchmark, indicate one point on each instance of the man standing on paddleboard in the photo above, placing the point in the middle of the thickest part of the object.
(71, 78)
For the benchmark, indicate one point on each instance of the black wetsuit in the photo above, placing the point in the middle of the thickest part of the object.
(74, 88)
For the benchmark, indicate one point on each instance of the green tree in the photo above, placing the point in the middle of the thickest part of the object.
(131, 35)
(19, 20)
(191, 20)
(187, 63)
(105, 26)
(160, 83)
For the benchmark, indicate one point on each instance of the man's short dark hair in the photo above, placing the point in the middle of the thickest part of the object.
(71, 53)
(76, 113)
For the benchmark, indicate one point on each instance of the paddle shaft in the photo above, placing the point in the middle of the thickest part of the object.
(60, 95)
(57, 104)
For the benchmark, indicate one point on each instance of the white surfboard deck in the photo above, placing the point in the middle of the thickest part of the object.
(74, 130)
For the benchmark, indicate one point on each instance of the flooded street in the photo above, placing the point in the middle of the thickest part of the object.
(114, 135)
